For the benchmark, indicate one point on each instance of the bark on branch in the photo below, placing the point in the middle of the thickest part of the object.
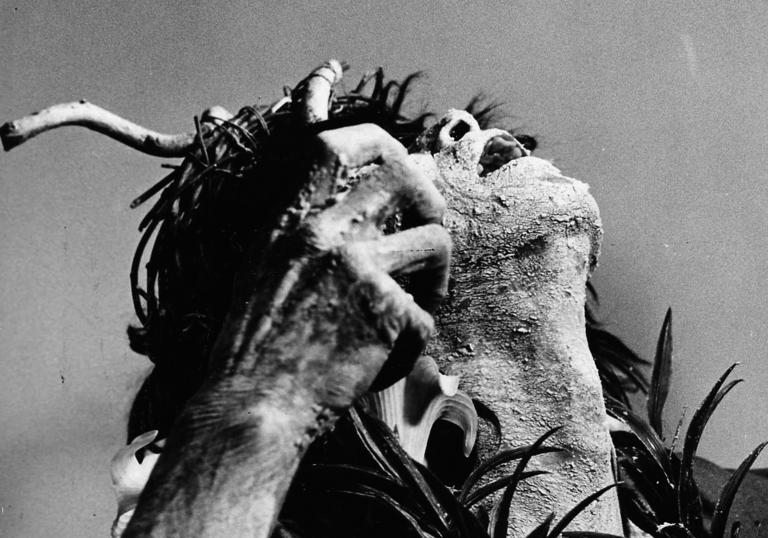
(312, 95)
(85, 114)
(310, 98)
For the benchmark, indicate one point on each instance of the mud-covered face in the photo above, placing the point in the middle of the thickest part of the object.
(497, 195)
(522, 233)
(489, 149)
(525, 239)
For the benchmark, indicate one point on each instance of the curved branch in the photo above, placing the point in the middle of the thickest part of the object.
(85, 114)
(313, 94)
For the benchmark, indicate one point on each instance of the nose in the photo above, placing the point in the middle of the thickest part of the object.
(453, 127)
(498, 151)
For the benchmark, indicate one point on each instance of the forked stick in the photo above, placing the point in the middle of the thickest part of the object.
(85, 114)
(311, 95)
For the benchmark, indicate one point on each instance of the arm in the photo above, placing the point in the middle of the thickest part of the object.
(320, 319)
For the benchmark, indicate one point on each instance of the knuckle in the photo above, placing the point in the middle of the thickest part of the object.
(422, 324)
(327, 150)
(356, 256)
(443, 243)
(428, 206)
(437, 203)
(384, 302)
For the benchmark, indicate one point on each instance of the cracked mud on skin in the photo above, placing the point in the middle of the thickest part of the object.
(317, 315)
(525, 240)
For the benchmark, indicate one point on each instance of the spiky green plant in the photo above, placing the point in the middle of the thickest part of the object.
(660, 495)
(360, 482)
(620, 368)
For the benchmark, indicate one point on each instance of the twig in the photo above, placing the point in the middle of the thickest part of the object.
(312, 95)
(85, 114)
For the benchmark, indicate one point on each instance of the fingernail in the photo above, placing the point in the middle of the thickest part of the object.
(146, 437)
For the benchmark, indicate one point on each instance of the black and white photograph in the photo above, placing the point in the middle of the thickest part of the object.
(341, 269)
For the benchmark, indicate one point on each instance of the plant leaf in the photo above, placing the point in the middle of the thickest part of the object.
(642, 431)
(688, 500)
(614, 347)
(483, 517)
(341, 474)
(375, 495)
(676, 437)
(648, 484)
(617, 365)
(288, 528)
(728, 493)
(404, 468)
(592, 291)
(506, 456)
(662, 371)
(613, 386)
(465, 522)
(589, 534)
(482, 492)
(637, 511)
(576, 510)
(543, 529)
(370, 445)
(675, 530)
(486, 413)
(500, 513)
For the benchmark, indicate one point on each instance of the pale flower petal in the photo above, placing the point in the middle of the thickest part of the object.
(411, 406)
(128, 475)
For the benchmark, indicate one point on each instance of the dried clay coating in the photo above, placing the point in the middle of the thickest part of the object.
(525, 240)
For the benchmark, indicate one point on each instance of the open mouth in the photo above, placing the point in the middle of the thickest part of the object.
(498, 151)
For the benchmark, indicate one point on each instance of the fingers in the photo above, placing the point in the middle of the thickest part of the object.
(400, 323)
(409, 251)
(424, 251)
(358, 145)
(417, 326)
(396, 176)
(396, 185)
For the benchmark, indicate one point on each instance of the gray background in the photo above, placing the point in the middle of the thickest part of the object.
(662, 108)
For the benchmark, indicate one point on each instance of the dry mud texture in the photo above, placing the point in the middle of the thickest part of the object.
(525, 240)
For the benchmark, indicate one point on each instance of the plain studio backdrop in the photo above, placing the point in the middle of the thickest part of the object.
(662, 108)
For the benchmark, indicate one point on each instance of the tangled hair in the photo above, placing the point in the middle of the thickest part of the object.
(221, 203)
(490, 113)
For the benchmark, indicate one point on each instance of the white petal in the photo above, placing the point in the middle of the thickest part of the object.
(411, 406)
(128, 475)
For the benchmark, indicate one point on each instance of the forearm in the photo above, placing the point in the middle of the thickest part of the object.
(226, 476)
